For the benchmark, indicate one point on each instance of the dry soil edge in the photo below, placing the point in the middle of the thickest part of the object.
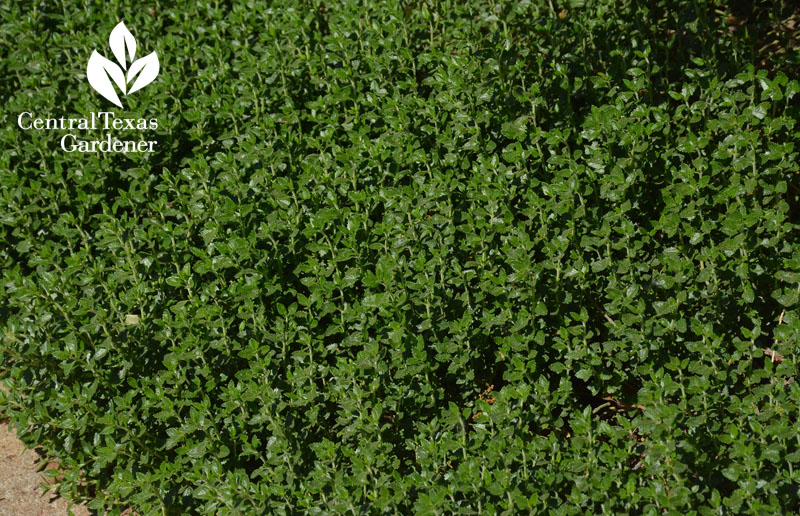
(20, 482)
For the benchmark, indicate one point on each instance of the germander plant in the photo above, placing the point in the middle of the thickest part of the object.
(423, 258)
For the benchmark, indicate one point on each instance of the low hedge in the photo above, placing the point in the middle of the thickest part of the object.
(409, 258)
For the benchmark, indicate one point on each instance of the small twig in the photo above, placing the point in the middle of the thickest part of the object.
(609, 319)
(622, 405)
(774, 355)
(600, 407)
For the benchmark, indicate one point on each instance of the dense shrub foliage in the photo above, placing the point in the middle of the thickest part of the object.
(423, 258)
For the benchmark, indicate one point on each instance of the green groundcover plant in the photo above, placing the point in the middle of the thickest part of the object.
(413, 257)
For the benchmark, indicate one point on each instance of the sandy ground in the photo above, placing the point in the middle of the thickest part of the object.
(20, 482)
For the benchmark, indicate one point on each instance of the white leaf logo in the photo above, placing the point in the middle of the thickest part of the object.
(148, 65)
(98, 72)
(101, 71)
(120, 39)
